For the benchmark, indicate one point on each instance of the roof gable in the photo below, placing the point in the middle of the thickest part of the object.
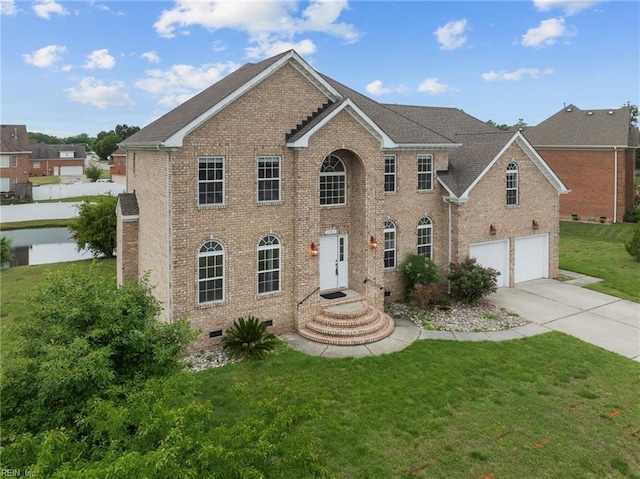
(573, 127)
(14, 139)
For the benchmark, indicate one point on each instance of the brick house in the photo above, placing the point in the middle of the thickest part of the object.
(118, 168)
(62, 160)
(14, 157)
(593, 153)
(278, 184)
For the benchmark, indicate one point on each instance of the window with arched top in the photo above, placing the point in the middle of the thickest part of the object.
(210, 273)
(512, 183)
(425, 237)
(389, 244)
(269, 265)
(333, 182)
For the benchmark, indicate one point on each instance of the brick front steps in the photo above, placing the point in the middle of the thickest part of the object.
(347, 323)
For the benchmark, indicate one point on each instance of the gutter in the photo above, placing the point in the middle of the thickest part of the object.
(169, 271)
(615, 184)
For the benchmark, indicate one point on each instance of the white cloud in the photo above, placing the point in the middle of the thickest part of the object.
(545, 34)
(452, 35)
(570, 7)
(269, 24)
(8, 7)
(151, 57)
(376, 88)
(45, 57)
(433, 85)
(100, 59)
(269, 47)
(516, 75)
(218, 46)
(95, 92)
(181, 82)
(45, 8)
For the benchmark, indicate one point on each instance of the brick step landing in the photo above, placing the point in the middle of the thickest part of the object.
(348, 323)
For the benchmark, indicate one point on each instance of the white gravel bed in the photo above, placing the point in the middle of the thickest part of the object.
(211, 358)
(481, 317)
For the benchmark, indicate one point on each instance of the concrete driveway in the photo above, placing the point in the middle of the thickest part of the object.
(596, 318)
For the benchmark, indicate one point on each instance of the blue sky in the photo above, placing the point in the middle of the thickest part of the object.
(83, 67)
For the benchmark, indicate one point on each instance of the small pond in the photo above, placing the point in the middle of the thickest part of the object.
(42, 246)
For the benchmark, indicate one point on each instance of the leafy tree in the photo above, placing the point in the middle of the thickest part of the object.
(95, 227)
(503, 126)
(249, 339)
(84, 338)
(93, 171)
(633, 245)
(44, 138)
(520, 124)
(106, 145)
(125, 131)
(5, 250)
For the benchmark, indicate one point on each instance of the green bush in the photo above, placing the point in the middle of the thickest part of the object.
(95, 227)
(470, 282)
(633, 245)
(5, 250)
(418, 269)
(248, 339)
(93, 171)
(633, 215)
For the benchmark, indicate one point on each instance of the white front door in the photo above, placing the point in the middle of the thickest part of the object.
(333, 262)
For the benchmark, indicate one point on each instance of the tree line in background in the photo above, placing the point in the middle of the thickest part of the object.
(103, 145)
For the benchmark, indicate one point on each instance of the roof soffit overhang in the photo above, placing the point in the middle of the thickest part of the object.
(532, 154)
(292, 58)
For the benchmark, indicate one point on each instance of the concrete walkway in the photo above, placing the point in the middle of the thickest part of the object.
(605, 321)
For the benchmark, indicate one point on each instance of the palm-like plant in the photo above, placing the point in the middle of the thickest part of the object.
(248, 339)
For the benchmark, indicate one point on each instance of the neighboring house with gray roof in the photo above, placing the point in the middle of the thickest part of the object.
(278, 186)
(57, 160)
(593, 153)
(14, 157)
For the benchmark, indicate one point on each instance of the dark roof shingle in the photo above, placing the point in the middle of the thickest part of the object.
(14, 139)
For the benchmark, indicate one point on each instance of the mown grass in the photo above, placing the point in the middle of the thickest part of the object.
(44, 180)
(598, 250)
(72, 199)
(16, 225)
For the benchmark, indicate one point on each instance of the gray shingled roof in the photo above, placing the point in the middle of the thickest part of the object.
(469, 160)
(172, 122)
(40, 151)
(572, 126)
(128, 203)
(14, 139)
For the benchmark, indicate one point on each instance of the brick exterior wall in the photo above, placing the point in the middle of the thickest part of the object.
(254, 125)
(48, 167)
(127, 258)
(589, 174)
(20, 172)
(119, 166)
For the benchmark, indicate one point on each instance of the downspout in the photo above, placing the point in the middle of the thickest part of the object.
(450, 251)
(615, 184)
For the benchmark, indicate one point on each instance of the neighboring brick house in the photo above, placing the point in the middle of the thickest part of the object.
(57, 160)
(593, 153)
(14, 157)
(118, 168)
(277, 184)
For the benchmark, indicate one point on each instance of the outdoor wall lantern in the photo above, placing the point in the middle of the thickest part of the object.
(534, 224)
(373, 242)
(493, 230)
(313, 250)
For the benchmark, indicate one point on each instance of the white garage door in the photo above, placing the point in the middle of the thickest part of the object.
(531, 258)
(70, 170)
(494, 254)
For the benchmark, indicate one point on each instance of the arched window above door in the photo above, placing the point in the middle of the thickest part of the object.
(333, 182)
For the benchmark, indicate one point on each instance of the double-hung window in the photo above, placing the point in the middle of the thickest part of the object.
(333, 182)
(268, 265)
(425, 237)
(211, 273)
(210, 180)
(425, 172)
(389, 245)
(389, 173)
(512, 184)
(268, 179)
(14, 161)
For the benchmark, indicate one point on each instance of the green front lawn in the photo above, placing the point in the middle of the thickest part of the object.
(598, 250)
(44, 180)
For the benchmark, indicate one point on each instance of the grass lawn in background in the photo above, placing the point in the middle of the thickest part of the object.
(72, 199)
(44, 180)
(598, 250)
(17, 225)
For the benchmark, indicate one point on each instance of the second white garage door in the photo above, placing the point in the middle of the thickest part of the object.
(531, 258)
(70, 170)
(494, 254)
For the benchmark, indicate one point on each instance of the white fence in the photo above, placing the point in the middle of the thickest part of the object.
(57, 191)
(41, 211)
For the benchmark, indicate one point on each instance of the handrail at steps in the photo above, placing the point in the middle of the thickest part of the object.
(367, 280)
(309, 295)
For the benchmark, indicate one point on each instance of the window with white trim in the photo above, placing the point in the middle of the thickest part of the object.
(4, 161)
(36, 164)
(389, 173)
(14, 182)
(333, 182)
(211, 273)
(425, 237)
(268, 179)
(425, 172)
(389, 244)
(512, 183)
(269, 265)
(211, 180)
(14, 161)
